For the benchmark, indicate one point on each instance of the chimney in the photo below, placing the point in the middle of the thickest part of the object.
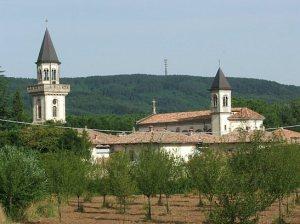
(153, 106)
(151, 128)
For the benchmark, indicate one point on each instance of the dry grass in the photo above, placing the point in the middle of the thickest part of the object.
(2, 215)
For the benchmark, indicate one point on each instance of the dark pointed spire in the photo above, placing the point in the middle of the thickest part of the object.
(47, 52)
(220, 82)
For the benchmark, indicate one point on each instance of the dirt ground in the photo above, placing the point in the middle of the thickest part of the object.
(183, 210)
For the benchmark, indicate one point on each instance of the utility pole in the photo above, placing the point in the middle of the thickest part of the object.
(166, 66)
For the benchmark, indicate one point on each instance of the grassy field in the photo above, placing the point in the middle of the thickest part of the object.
(183, 210)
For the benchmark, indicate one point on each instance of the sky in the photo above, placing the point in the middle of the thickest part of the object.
(253, 39)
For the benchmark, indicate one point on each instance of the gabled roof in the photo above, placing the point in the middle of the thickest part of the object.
(287, 135)
(175, 117)
(47, 52)
(220, 82)
(164, 137)
(240, 113)
(245, 113)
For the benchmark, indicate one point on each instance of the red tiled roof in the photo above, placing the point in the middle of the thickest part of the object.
(242, 113)
(245, 113)
(100, 138)
(175, 117)
(287, 135)
(167, 137)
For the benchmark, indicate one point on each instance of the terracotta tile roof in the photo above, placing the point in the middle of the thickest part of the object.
(246, 136)
(165, 137)
(287, 135)
(245, 113)
(175, 117)
(100, 138)
(240, 113)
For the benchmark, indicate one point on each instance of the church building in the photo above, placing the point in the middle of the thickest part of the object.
(48, 94)
(219, 120)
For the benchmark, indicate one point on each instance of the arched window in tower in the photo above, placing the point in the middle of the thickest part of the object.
(225, 101)
(54, 111)
(215, 100)
(53, 74)
(40, 74)
(46, 72)
(38, 109)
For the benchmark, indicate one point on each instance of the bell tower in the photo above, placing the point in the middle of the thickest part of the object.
(48, 94)
(220, 104)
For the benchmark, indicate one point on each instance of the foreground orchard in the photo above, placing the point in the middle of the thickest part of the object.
(184, 209)
(237, 185)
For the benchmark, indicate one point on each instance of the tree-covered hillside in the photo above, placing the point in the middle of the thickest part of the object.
(126, 94)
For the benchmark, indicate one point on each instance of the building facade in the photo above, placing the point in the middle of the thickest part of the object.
(219, 120)
(48, 94)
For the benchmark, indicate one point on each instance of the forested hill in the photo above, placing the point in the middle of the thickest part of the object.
(125, 94)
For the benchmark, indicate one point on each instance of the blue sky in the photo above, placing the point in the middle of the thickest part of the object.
(255, 39)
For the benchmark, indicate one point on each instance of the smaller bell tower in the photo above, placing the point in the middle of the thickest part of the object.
(48, 94)
(220, 104)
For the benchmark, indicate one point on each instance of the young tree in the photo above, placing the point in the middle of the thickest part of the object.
(119, 170)
(58, 167)
(205, 171)
(169, 174)
(283, 173)
(17, 107)
(146, 174)
(79, 175)
(242, 191)
(22, 181)
(103, 187)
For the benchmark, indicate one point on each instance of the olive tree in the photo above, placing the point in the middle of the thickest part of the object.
(58, 167)
(119, 170)
(205, 170)
(169, 174)
(22, 180)
(146, 173)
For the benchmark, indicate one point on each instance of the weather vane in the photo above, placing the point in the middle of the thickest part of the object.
(46, 21)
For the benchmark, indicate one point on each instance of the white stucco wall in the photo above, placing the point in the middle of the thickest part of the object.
(47, 108)
(246, 124)
(99, 153)
(184, 127)
(220, 123)
(50, 67)
(179, 150)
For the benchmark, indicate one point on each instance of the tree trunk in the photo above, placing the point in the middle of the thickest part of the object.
(159, 199)
(200, 204)
(210, 203)
(104, 201)
(10, 204)
(124, 205)
(167, 204)
(149, 208)
(59, 207)
(78, 204)
(279, 208)
(287, 204)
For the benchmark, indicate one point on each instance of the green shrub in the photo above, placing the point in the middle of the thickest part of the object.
(22, 181)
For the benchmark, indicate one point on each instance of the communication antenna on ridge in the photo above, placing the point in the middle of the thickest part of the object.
(166, 66)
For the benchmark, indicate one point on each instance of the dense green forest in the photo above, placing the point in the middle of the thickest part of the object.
(117, 102)
(128, 94)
